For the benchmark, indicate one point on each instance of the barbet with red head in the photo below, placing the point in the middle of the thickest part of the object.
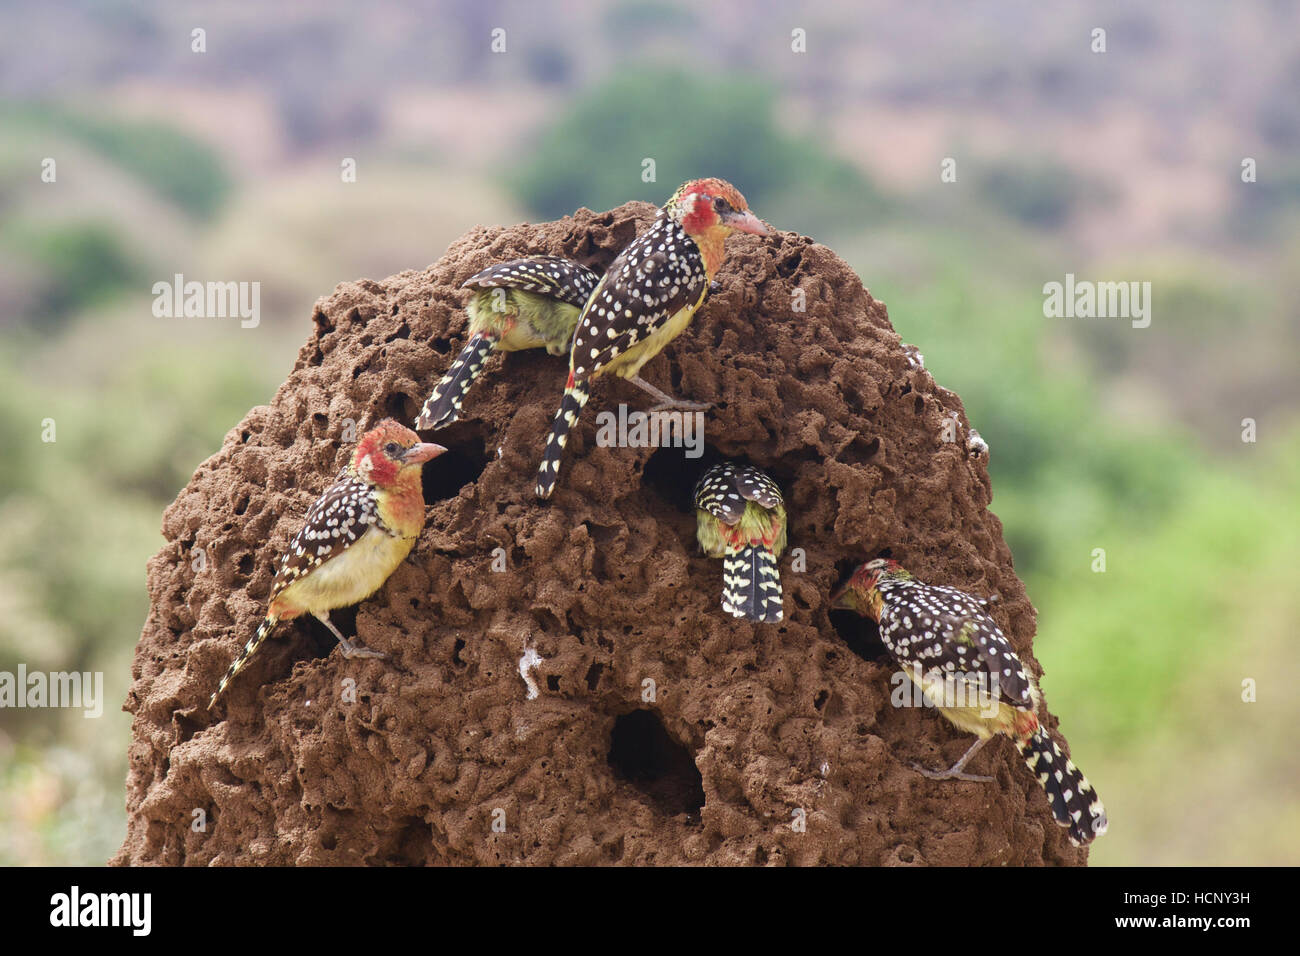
(353, 538)
(946, 642)
(647, 297)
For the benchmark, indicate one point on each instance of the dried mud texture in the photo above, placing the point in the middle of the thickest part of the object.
(440, 757)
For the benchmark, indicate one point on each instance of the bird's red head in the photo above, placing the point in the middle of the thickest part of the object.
(712, 207)
(860, 592)
(390, 451)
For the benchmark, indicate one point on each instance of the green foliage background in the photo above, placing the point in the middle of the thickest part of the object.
(1145, 662)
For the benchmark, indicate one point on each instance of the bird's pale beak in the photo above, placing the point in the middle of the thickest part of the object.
(745, 222)
(840, 598)
(418, 454)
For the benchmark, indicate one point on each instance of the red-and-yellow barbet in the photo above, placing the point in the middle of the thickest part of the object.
(354, 537)
(526, 303)
(646, 298)
(946, 642)
(740, 518)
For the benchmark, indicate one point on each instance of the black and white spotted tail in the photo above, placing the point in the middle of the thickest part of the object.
(1075, 804)
(443, 406)
(575, 397)
(751, 585)
(254, 642)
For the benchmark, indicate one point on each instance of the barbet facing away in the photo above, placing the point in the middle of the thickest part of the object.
(945, 641)
(647, 297)
(354, 537)
(521, 304)
(740, 518)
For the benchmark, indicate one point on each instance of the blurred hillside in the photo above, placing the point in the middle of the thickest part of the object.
(1117, 166)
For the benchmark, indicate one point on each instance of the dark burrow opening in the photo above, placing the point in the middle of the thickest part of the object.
(671, 475)
(461, 464)
(860, 634)
(322, 642)
(401, 407)
(407, 845)
(642, 753)
(301, 639)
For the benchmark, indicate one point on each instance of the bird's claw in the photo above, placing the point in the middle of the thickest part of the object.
(950, 774)
(351, 650)
(680, 405)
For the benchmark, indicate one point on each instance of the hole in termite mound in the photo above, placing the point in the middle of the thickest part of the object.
(322, 641)
(400, 406)
(671, 475)
(861, 634)
(642, 752)
(861, 450)
(460, 465)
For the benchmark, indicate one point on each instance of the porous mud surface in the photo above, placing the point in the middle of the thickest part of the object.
(663, 731)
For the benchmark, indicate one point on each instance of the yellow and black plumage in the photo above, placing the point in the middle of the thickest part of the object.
(525, 303)
(945, 641)
(740, 518)
(354, 536)
(648, 295)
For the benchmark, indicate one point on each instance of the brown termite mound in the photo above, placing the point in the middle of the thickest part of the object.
(652, 728)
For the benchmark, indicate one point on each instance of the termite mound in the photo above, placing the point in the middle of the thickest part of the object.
(662, 730)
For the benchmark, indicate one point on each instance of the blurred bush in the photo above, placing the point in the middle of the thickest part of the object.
(1040, 193)
(81, 517)
(690, 126)
(77, 265)
(646, 18)
(179, 167)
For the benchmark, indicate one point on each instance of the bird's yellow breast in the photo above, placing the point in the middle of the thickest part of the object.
(628, 364)
(982, 716)
(350, 577)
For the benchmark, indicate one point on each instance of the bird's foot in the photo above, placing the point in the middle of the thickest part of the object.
(681, 405)
(950, 774)
(351, 650)
(955, 771)
(665, 401)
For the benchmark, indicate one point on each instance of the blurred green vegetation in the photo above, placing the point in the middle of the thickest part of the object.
(133, 404)
(81, 264)
(81, 515)
(177, 166)
(1144, 661)
(1042, 193)
(690, 126)
(647, 17)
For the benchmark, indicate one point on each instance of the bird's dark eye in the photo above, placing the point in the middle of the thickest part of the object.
(721, 206)
(393, 449)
